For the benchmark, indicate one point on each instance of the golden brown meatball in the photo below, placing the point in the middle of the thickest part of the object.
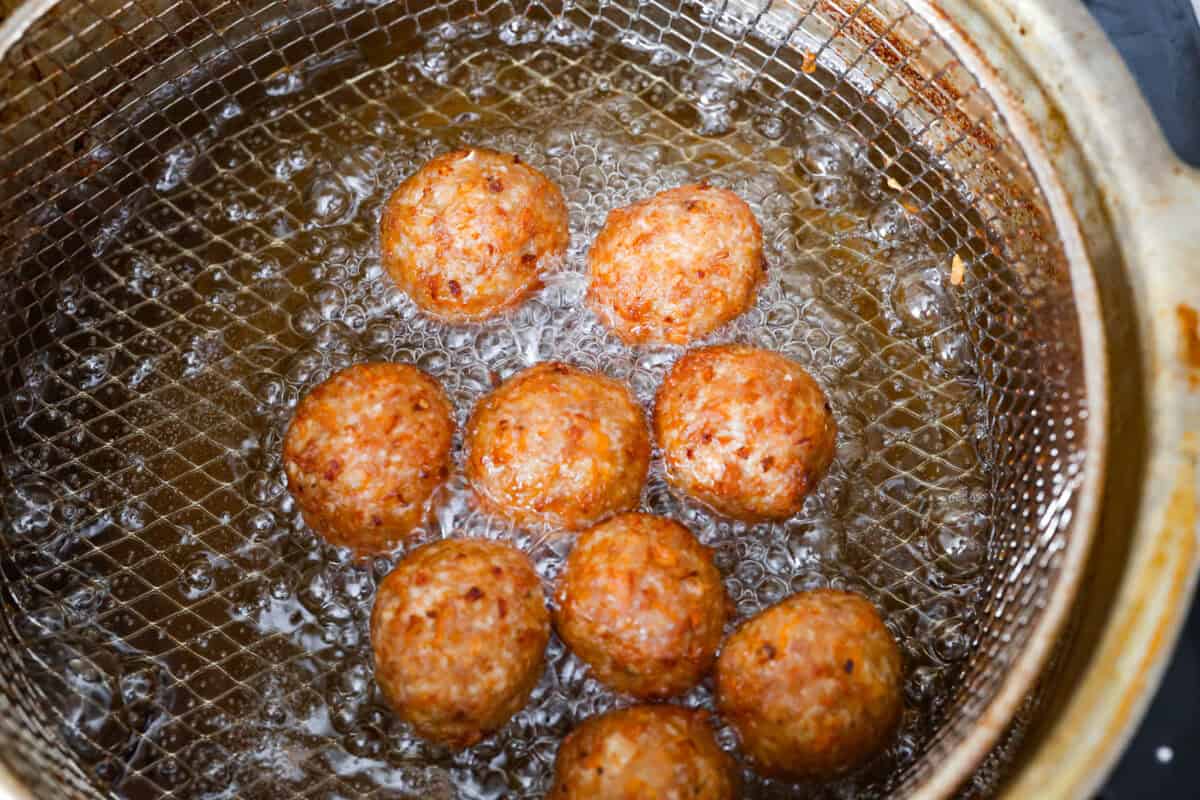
(659, 752)
(641, 602)
(559, 446)
(459, 631)
(471, 232)
(744, 430)
(812, 685)
(366, 451)
(677, 266)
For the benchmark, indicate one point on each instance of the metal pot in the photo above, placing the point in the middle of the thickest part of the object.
(1091, 321)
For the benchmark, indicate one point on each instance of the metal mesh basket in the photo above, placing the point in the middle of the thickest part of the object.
(190, 192)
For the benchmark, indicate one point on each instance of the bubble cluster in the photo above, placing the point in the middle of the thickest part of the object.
(216, 627)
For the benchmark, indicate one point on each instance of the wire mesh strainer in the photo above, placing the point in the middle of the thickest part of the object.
(190, 191)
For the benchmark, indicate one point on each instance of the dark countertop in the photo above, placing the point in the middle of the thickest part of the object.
(1161, 761)
(1160, 41)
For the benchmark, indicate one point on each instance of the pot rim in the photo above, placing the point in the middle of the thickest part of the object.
(1150, 201)
(1067, 34)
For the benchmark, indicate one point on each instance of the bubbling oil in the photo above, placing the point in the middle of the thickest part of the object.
(197, 638)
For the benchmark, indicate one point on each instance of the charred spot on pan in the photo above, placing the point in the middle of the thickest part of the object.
(1189, 329)
(848, 666)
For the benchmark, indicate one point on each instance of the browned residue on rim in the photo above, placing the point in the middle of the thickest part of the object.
(1173, 564)
(1189, 331)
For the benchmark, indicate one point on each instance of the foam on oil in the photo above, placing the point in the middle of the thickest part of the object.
(198, 638)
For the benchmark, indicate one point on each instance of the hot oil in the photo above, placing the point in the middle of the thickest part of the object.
(200, 639)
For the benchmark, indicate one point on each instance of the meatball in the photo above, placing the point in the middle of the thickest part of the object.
(471, 232)
(677, 266)
(744, 430)
(459, 630)
(365, 452)
(812, 685)
(641, 602)
(661, 752)
(559, 446)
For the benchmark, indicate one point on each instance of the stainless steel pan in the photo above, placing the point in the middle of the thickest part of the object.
(978, 243)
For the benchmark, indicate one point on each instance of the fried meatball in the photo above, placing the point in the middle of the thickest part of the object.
(677, 266)
(471, 232)
(812, 685)
(641, 602)
(557, 445)
(459, 630)
(365, 452)
(744, 430)
(661, 752)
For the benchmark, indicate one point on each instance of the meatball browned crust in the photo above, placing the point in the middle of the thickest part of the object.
(677, 266)
(744, 430)
(812, 685)
(471, 232)
(641, 602)
(660, 752)
(459, 631)
(557, 445)
(366, 451)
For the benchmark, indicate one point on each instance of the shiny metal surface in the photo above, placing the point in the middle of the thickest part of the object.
(129, 393)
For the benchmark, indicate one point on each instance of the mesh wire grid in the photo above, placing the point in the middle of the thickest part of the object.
(161, 311)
